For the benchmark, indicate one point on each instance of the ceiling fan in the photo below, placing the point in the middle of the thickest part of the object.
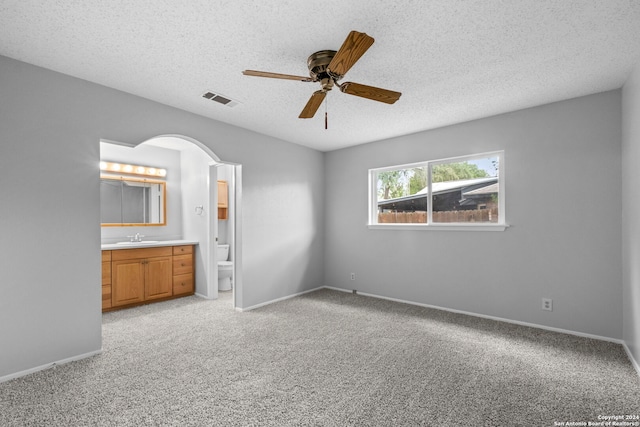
(328, 67)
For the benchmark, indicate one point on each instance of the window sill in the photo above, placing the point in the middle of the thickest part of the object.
(440, 227)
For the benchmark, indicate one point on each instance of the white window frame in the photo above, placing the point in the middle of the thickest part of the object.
(501, 225)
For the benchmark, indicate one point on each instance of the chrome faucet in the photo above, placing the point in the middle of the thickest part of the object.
(137, 238)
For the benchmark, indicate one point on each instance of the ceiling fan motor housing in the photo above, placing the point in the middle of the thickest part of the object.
(318, 63)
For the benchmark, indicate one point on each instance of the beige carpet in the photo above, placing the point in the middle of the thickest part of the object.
(326, 358)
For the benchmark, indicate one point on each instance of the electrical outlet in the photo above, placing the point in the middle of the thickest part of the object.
(547, 304)
(353, 276)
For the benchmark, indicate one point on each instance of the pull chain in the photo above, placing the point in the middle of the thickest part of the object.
(326, 116)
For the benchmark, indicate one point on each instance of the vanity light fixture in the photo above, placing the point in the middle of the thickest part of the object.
(132, 169)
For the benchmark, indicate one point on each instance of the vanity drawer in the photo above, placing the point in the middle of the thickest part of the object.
(180, 250)
(182, 264)
(183, 284)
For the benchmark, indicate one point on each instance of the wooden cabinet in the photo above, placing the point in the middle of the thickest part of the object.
(183, 270)
(223, 200)
(141, 275)
(128, 282)
(106, 279)
(158, 278)
(138, 275)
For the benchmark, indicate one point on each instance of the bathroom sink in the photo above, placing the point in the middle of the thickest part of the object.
(137, 243)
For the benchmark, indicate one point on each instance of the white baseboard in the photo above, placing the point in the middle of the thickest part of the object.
(349, 291)
(467, 313)
(499, 319)
(635, 364)
(48, 365)
(253, 307)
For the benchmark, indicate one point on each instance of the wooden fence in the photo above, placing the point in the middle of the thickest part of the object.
(479, 215)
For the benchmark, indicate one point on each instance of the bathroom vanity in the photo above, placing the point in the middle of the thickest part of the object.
(135, 273)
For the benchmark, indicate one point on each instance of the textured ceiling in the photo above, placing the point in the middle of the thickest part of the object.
(453, 60)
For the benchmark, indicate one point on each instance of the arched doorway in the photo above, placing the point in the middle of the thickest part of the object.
(192, 202)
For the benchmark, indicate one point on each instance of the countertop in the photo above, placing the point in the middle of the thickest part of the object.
(150, 244)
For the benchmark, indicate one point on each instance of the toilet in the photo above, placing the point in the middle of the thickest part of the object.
(225, 268)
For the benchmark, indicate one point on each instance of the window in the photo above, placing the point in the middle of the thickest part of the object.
(458, 193)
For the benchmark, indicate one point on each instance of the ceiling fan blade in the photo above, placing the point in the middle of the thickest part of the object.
(313, 104)
(354, 46)
(276, 75)
(370, 92)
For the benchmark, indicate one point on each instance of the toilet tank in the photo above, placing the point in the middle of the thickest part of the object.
(223, 253)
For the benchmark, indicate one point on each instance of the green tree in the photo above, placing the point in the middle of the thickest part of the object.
(391, 184)
(418, 180)
(456, 171)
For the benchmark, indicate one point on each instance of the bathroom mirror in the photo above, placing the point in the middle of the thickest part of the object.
(128, 201)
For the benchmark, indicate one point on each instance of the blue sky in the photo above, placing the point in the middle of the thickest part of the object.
(486, 165)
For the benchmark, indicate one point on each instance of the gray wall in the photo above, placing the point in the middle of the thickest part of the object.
(563, 200)
(631, 212)
(195, 192)
(50, 128)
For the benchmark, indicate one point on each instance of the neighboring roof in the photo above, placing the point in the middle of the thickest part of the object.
(489, 189)
(447, 187)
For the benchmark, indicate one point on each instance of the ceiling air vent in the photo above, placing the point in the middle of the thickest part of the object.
(221, 99)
